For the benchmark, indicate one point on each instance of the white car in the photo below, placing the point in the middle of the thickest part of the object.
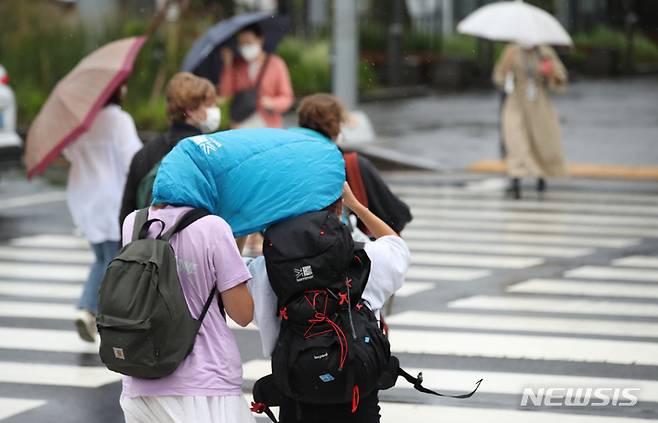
(11, 144)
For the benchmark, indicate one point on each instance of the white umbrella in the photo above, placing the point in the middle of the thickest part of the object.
(515, 21)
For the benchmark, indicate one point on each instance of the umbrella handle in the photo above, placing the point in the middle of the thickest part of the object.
(158, 18)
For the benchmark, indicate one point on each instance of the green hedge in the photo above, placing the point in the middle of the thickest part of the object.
(602, 37)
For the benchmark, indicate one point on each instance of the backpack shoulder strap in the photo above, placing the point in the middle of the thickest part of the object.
(140, 220)
(186, 220)
(353, 173)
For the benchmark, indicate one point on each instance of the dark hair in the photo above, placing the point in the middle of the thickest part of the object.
(335, 206)
(254, 28)
(116, 97)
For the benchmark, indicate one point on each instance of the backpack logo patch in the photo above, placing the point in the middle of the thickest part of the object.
(326, 377)
(304, 273)
(321, 356)
(118, 353)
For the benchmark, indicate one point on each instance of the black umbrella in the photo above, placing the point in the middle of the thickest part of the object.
(204, 58)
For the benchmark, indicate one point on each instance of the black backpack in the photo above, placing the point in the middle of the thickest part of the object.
(145, 326)
(331, 349)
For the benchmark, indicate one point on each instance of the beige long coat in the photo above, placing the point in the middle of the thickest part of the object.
(531, 130)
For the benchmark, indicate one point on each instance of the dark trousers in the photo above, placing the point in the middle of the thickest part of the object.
(368, 412)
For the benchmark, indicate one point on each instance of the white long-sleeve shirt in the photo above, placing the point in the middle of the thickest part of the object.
(389, 261)
(100, 159)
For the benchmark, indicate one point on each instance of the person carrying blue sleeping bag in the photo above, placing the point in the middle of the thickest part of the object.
(251, 178)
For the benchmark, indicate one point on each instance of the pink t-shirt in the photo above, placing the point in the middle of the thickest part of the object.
(206, 254)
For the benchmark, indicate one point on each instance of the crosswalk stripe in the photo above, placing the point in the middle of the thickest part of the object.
(413, 288)
(494, 382)
(637, 261)
(543, 305)
(545, 227)
(12, 406)
(392, 412)
(395, 412)
(55, 272)
(51, 241)
(552, 195)
(45, 340)
(37, 310)
(33, 199)
(40, 310)
(523, 347)
(52, 374)
(523, 323)
(493, 261)
(43, 254)
(46, 290)
(511, 249)
(596, 289)
(502, 204)
(444, 273)
(527, 216)
(586, 241)
(604, 272)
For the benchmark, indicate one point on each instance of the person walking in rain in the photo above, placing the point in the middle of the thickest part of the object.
(259, 82)
(191, 110)
(530, 126)
(99, 164)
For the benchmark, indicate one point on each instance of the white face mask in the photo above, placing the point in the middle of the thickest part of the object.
(250, 52)
(213, 119)
(340, 138)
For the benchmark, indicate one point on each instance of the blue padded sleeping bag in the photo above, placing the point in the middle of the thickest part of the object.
(252, 178)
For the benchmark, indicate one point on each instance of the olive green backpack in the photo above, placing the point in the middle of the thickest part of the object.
(145, 187)
(145, 326)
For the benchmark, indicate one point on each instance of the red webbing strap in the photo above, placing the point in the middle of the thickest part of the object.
(260, 408)
(353, 174)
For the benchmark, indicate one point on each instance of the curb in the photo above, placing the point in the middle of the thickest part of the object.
(581, 170)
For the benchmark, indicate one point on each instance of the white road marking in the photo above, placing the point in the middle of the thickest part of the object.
(531, 347)
(45, 290)
(504, 237)
(392, 412)
(604, 272)
(545, 227)
(54, 272)
(489, 261)
(60, 375)
(444, 273)
(408, 191)
(511, 249)
(45, 340)
(524, 323)
(51, 241)
(12, 406)
(532, 206)
(595, 289)
(637, 261)
(543, 305)
(37, 310)
(40, 310)
(527, 216)
(33, 200)
(43, 254)
(413, 288)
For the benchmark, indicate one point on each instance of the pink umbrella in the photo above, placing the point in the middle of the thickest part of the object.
(76, 99)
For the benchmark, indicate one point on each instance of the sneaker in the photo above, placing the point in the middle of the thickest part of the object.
(85, 322)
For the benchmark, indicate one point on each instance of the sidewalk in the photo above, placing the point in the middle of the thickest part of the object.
(604, 122)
